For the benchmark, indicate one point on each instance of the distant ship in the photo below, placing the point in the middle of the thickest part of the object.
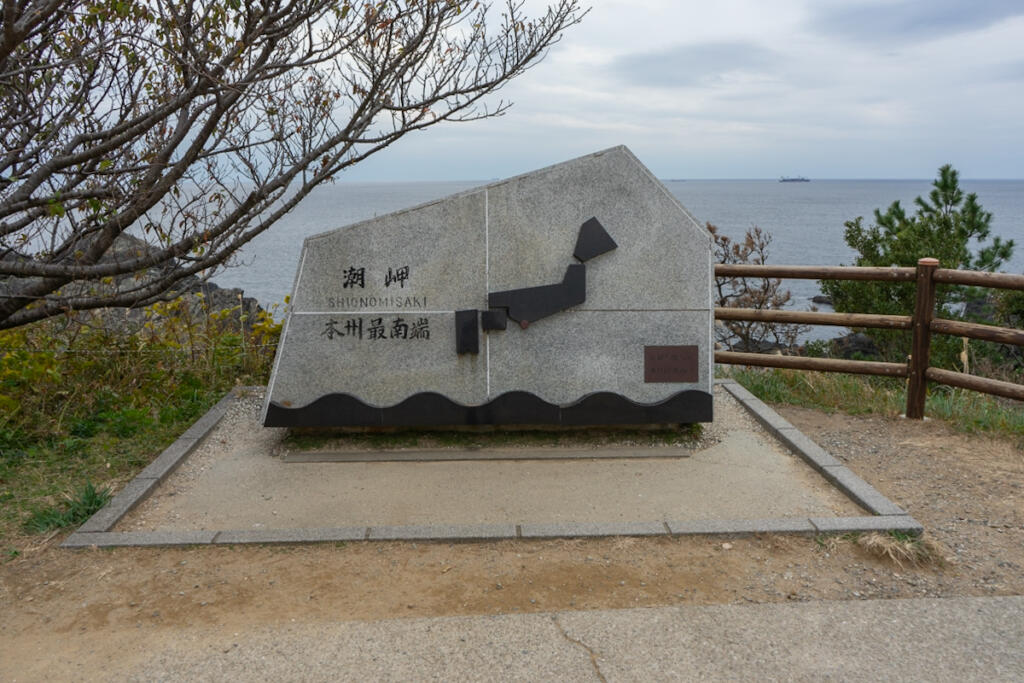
(794, 179)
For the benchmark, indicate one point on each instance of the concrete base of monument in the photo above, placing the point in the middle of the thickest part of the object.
(751, 472)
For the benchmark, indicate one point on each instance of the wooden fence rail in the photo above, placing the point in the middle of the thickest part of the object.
(922, 324)
(891, 322)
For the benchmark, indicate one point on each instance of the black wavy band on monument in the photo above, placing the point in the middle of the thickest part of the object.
(514, 407)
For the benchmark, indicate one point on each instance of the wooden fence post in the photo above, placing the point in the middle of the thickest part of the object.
(917, 364)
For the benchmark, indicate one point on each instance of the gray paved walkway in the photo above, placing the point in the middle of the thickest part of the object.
(962, 639)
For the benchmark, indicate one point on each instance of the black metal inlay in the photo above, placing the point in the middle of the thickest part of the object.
(518, 407)
(514, 407)
(494, 319)
(333, 410)
(609, 408)
(533, 303)
(467, 333)
(593, 241)
(427, 409)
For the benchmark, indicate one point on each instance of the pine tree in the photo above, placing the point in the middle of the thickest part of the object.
(948, 225)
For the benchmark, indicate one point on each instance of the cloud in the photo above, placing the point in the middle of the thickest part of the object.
(894, 23)
(694, 65)
(1011, 72)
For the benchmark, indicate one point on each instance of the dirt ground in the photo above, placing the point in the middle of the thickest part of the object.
(966, 490)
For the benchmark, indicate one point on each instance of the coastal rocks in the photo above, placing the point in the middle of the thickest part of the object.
(203, 296)
(854, 345)
(981, 308)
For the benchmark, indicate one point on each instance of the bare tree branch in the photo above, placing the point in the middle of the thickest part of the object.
(146, 141)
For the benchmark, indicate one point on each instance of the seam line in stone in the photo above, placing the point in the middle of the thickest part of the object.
(487, 285)
(364, 311)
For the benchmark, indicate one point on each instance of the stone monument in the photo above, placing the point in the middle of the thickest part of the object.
(577, 294)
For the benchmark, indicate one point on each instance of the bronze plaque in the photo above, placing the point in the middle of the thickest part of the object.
(670, 364)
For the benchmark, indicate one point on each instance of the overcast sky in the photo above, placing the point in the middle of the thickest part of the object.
(756, 89)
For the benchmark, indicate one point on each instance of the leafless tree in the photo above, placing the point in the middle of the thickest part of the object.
(145, 141)
(753, 292)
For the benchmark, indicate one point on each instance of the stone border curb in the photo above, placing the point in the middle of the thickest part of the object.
(139, 488)
(741, 527)
(845, 525)
(322, 535)
(446, 532)
(842, 477)
(886, 516)
(114, 539)
(591, 529)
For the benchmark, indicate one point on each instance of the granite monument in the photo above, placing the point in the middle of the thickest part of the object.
(576, 294)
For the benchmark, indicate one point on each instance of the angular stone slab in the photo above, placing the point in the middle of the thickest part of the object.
(661, 255)
(389, 310)
(439, 242)
(563, 360)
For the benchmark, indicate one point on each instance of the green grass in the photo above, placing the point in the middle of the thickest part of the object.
(72, 511)
(966, 411)
(81, 403)
(35, 473)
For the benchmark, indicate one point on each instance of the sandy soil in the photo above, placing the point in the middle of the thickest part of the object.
(75, 614)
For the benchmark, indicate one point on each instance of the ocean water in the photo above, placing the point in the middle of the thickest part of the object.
(805, 221)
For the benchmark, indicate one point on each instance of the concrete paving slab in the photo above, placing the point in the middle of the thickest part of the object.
(740, 479)
(954, 639)
(235, 481)
(962, 639)
(524, 648)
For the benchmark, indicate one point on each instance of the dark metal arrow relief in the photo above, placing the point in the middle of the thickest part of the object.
(530, 304)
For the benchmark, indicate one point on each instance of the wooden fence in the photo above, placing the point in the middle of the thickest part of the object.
(922, 323)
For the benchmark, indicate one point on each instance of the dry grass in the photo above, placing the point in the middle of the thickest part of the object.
(901, 548)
